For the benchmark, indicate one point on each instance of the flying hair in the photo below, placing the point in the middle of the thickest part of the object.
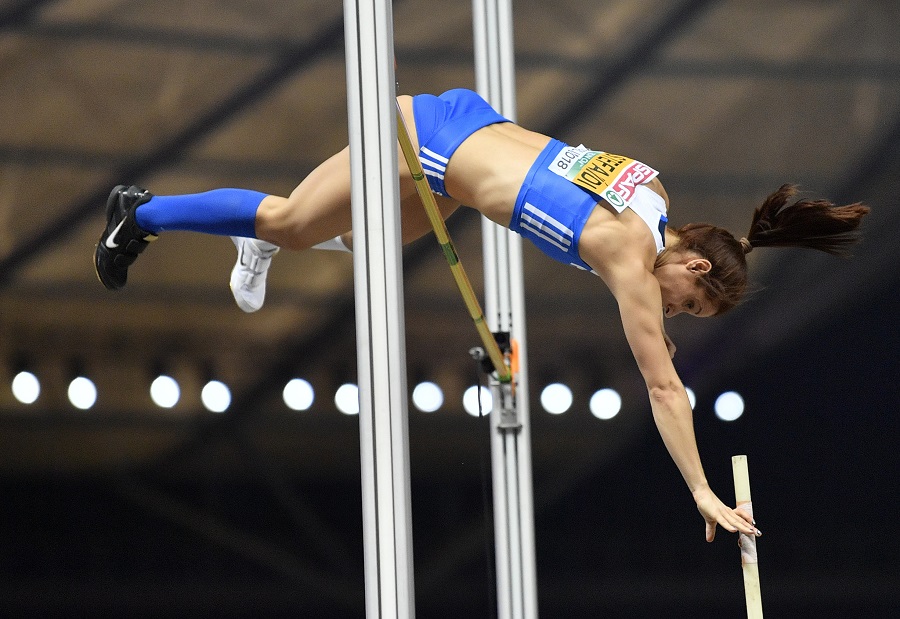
(815, 224)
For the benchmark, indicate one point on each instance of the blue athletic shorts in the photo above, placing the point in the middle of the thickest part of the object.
(551, 211)
(443, 123)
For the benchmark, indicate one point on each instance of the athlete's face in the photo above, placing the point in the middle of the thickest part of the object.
(681, 290)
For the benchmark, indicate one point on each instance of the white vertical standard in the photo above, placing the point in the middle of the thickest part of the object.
(505, 312)
(377, 269)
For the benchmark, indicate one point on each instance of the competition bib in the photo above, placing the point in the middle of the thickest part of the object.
(605, 175)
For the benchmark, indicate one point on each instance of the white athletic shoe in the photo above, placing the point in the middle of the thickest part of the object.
(248, 277)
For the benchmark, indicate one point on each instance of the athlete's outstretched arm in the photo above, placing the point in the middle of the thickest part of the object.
(640, 305)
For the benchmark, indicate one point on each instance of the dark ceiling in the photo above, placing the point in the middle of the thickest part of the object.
(126, 509)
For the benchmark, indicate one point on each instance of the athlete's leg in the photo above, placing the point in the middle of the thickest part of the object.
(319, 208)
(316, 211)
(414, 222)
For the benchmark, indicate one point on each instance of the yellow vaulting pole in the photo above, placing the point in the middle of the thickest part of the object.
(443, 237)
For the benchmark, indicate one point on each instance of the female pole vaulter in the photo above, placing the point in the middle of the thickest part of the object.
(597, 211)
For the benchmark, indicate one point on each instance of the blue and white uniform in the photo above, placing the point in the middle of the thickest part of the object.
(443, 123)
(562, 187)
(552, 208)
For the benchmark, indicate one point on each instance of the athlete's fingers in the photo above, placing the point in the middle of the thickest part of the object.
(710, 530)
(745, 523)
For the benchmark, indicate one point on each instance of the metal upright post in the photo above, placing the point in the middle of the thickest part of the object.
(505, 309)
(377, 268)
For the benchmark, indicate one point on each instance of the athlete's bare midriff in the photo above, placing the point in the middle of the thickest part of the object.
(488, 169)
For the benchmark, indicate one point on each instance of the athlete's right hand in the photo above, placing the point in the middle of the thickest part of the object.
(715, 512)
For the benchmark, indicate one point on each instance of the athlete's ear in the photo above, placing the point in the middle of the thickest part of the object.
(699, 266)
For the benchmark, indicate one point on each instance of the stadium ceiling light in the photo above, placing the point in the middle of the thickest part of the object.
(298, 394)
(605, 404)
(556, 398)
(346, 398)
(427, 397)
(729, 406)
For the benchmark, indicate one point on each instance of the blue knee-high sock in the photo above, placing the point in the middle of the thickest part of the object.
(227, 212)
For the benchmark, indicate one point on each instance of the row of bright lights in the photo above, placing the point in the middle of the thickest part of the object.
(299, 395)
(164, 390)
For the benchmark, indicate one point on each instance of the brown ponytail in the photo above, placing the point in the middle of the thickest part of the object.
(816, 224)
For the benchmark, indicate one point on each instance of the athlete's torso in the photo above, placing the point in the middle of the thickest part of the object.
(488, 169)
(476, 177)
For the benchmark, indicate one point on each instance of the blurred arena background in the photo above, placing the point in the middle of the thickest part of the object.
(123, 507)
